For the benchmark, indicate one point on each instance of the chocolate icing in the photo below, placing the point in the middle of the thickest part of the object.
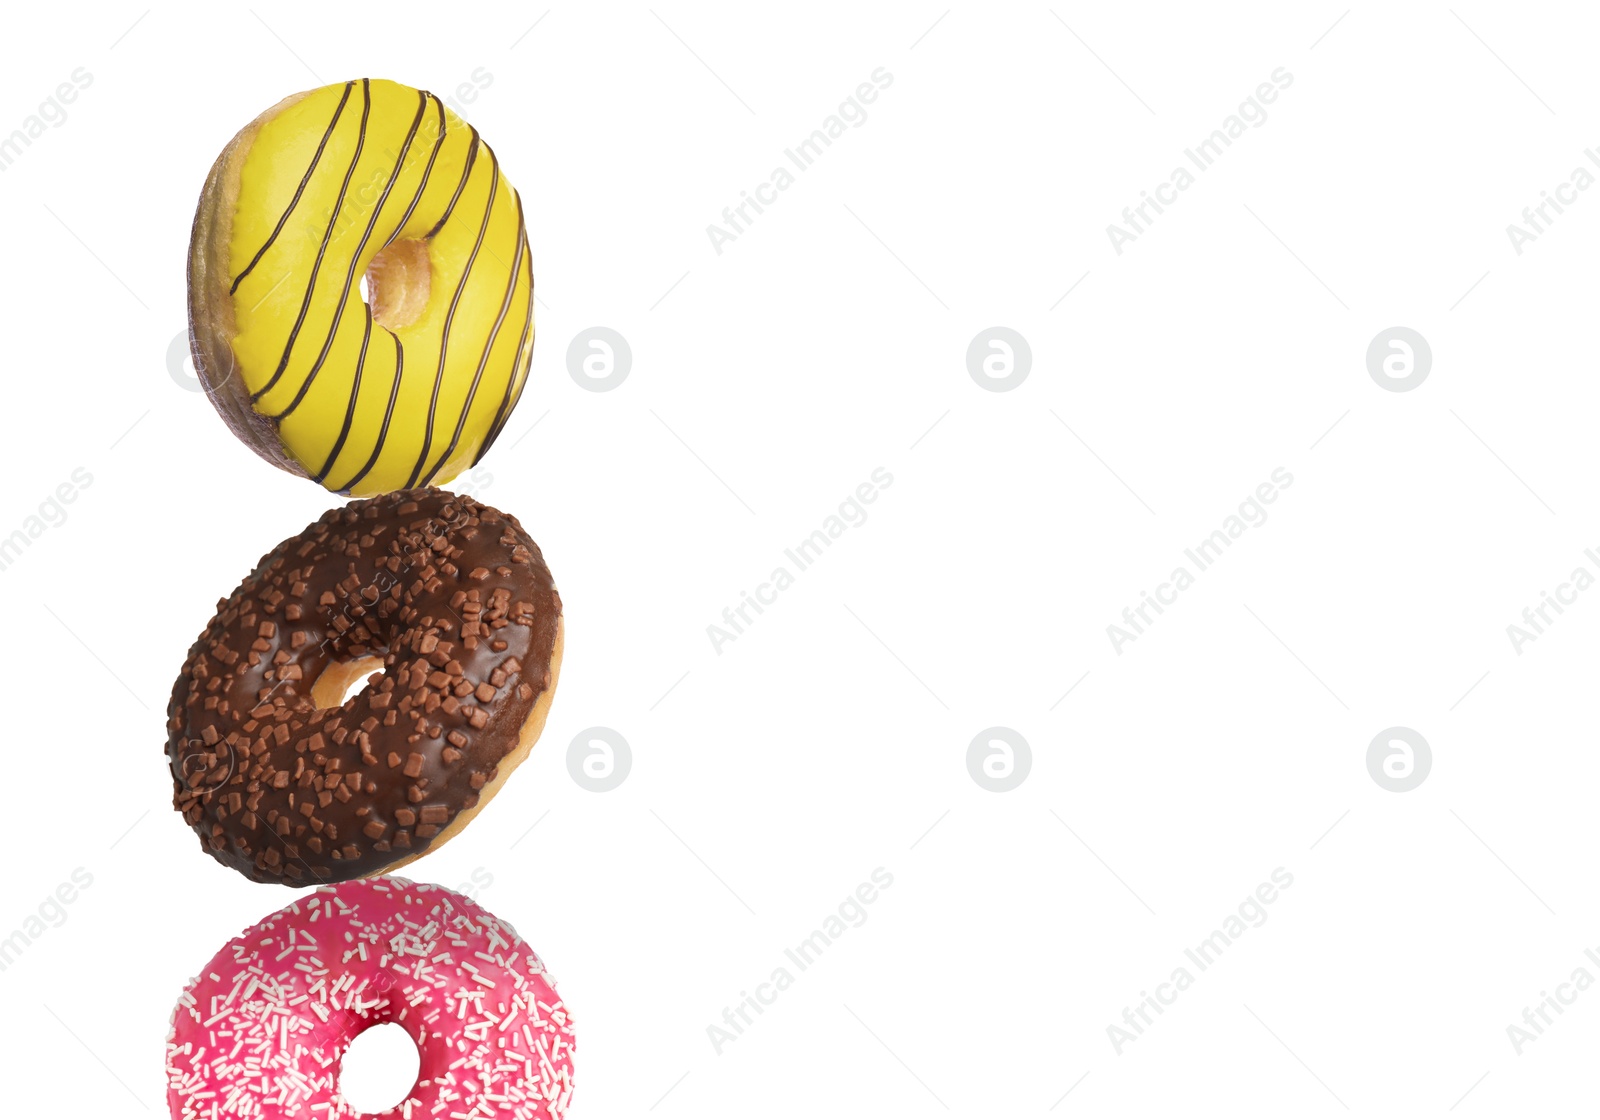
(456, 598)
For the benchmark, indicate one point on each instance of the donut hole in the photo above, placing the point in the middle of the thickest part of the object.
(397, 284)
(342, 680)
(379, 1068)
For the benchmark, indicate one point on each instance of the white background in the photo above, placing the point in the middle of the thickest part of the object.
(831, 738)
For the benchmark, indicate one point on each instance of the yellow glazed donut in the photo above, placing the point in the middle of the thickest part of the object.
(409, 386)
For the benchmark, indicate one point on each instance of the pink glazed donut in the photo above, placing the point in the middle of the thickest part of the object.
(262, 1031)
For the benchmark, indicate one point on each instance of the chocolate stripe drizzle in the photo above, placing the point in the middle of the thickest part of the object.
(399, 348)
(494, 334)
(455, 300)
(472, 158)
(355, 392)
(508, 402)
(388, 414)
(355, 261)
(298, 191)
(338, 205)
(426, 171)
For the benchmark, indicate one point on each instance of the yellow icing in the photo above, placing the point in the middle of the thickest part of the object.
(490, 336)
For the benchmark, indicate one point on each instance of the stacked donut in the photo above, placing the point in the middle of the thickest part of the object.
(443, 603)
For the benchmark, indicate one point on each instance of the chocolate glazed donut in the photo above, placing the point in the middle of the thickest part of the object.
(286, 782)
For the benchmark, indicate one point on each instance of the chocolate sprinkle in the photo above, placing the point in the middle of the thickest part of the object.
(456, 599)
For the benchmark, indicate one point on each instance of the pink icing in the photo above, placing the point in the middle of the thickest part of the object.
(262, 1031)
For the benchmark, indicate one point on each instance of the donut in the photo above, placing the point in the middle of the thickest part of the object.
(409, 386)
(447, 603)
(262, 1030)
